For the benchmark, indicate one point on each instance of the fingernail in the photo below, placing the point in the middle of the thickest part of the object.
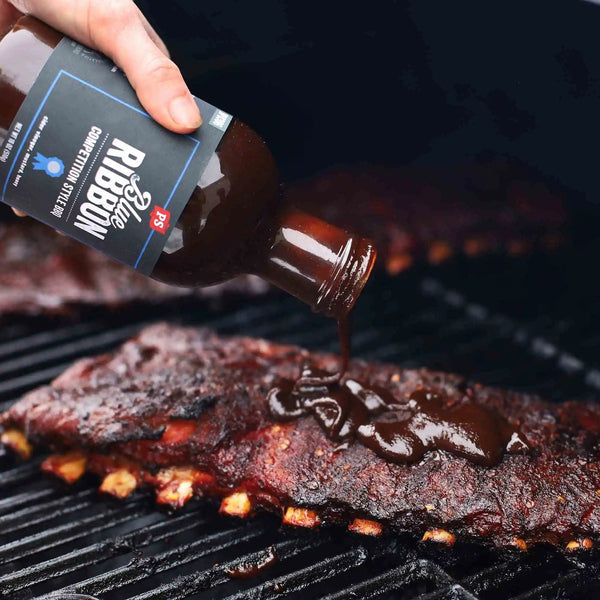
(184, 112)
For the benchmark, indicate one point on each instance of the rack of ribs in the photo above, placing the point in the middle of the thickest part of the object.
(413, 215)
(188, 414)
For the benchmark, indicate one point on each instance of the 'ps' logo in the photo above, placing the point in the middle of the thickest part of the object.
(53, 167)
(159, 219)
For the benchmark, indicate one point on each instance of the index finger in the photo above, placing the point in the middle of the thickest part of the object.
(117, 28)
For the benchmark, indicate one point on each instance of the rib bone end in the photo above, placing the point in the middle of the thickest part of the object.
(397, 264)
(520, 543)
(301, 517)
(17, 442)
(119, 483)
(584, 544)
(69, 467)
(438, 252)
(236, 505)
(176, 493)
(365, 527)
(440, 535)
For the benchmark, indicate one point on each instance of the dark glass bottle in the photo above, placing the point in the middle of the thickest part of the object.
(233, 222)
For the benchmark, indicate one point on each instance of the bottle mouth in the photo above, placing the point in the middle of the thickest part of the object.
(338, 294)
(318, 263)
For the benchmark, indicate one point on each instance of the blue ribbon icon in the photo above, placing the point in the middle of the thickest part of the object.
(54, 167)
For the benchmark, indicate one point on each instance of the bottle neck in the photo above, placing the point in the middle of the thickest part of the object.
(317, 263)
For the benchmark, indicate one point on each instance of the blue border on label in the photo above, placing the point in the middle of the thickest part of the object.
(134, 108)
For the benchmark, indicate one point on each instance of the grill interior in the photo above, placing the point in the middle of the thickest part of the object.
(527, 323)
(531, 324)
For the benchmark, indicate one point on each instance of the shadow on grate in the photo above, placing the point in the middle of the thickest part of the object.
(53, 538)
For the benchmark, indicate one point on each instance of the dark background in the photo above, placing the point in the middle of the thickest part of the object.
(401, 82)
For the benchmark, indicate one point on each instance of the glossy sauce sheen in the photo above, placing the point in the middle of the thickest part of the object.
(399, 431)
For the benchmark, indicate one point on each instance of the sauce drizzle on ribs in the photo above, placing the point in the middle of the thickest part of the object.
(400, 431)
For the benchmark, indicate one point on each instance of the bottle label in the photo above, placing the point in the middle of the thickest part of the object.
(84, 157)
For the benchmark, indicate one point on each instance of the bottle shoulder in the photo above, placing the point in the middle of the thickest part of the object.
(24, 51)
(215, 235)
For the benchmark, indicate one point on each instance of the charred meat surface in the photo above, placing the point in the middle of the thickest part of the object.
(420, 214)
(185, 411)
(42, 272)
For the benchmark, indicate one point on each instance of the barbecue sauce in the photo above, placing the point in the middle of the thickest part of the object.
(233, 222)
(399, 431)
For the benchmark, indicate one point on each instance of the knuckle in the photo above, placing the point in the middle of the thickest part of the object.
(112, 14)
(161, 68)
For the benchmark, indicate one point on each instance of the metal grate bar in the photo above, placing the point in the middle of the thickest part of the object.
(26, 517)
(19, 474)
(307, 577)
(95, 553)
(48, 338)
(324, 338)
(244, 317)
(453, 592)
(394, 579)
(33, 379)
(495, 576)
(416, 347)
(10, 331)
(287, 323)
(11, 503)
(91, 343)
(143, 567)
(184, 586)
(69, 532)
(535, 344)
(574, 580)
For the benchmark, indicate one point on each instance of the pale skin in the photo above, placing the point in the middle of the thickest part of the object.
(118, 29)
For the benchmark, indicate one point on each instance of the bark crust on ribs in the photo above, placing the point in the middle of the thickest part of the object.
(132, 408)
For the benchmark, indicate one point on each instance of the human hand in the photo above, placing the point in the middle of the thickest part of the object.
(118, 29)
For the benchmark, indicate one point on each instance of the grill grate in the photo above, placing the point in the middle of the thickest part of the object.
(477, 318)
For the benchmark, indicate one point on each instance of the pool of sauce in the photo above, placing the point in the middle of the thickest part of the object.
(400, 431)
(254, 567)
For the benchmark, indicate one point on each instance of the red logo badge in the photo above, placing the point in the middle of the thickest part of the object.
(159, 219)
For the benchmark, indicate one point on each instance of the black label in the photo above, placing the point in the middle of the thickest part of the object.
(84, 157)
